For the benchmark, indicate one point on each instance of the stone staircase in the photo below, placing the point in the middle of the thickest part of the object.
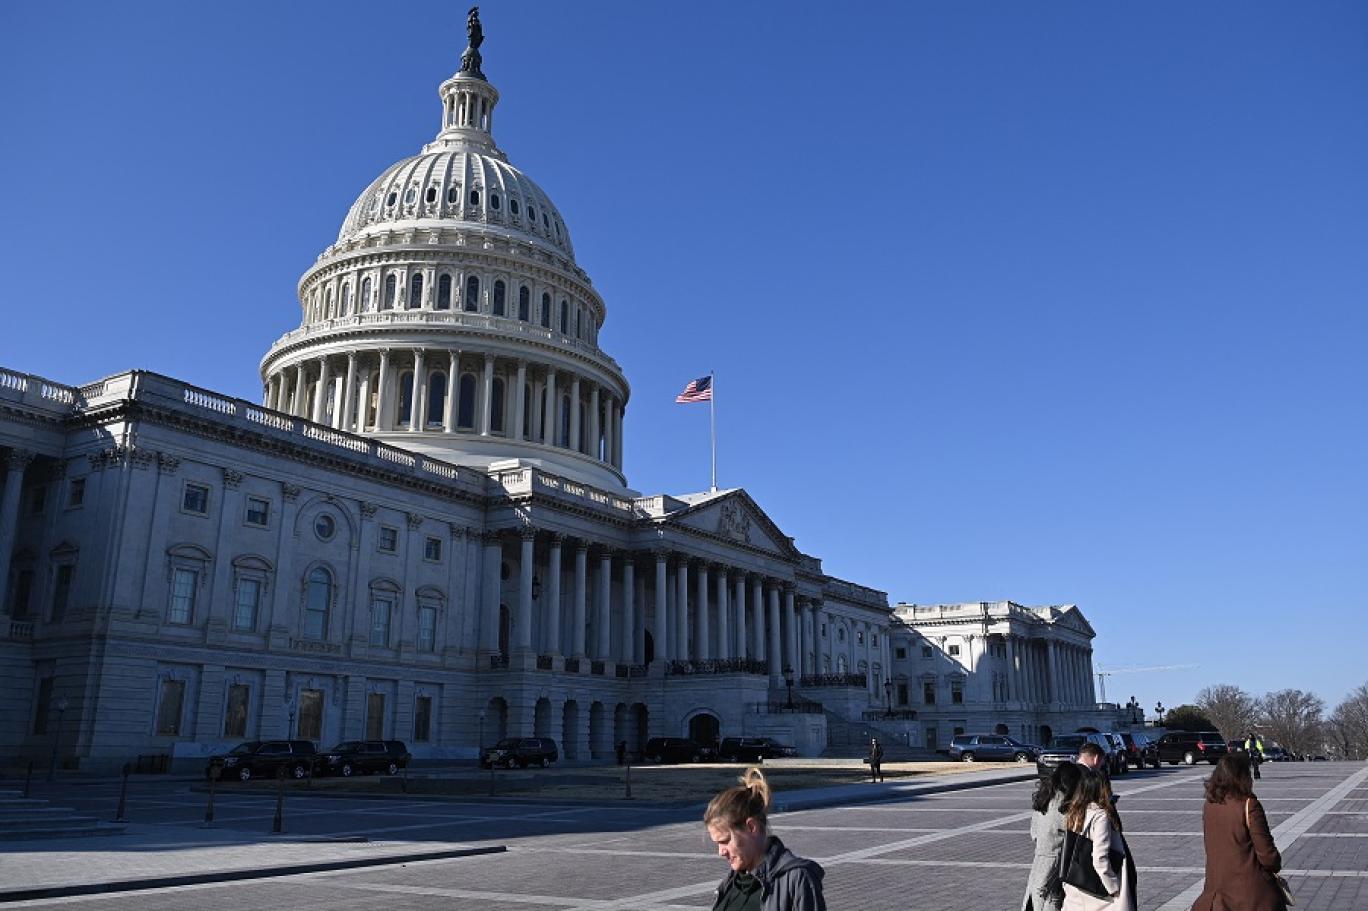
(23, 818)
(850, 739)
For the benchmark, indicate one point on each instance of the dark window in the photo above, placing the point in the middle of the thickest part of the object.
(195, 499)
(246, 603)
(436, 398)
(444, 292)
(565, 317)
(42, 704)
(389, 539)
(927, 651)
(902, 694)
(472, 294)
(500, 290)
(474, 197)
(496, 407)
(427, 629)
(524, 304)
(494, 201)
(422, 719)
(235, 714)
(375, 716)
(410, 195)
(546, 311)
(310, 715)
(430, 195)
(61, 591)
(325, 526)
(415, 291)
(453, 193)
(76, 493)
(21, 593)
(317, 604)
(258, 511)
(184, 582)
(405, 397)
(532, 214)
(957, 692)
(391, 198)
(391, 291)
(169, 708)
(900, 652)
(366, 301)
(513, 206)
(381, 609)
(465, 402)
(929, 693)
(432, 549)
(954, 651)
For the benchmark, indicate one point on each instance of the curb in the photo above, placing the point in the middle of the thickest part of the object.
(881, 792)
(162, 882)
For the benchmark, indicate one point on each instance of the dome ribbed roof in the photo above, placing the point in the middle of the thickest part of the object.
(465, 186)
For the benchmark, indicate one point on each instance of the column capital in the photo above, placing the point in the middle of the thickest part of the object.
(556, 538)
(528, 533)
(581, 546)
(491, 537)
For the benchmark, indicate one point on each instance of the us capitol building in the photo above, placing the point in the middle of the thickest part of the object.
(424, 532)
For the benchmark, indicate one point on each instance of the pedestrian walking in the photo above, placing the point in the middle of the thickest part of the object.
(875, 760)
(1242, 862)
(1092, 814)
(1254, 749)
(1044, 890)
(765, 875)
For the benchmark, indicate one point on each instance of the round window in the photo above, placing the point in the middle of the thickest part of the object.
(325, 527)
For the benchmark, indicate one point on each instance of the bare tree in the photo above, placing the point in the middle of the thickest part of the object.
(1349, 724)
(1230, 708)
(1293, 719)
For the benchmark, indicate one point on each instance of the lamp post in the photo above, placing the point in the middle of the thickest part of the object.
(56, 737)
(788, 682)
(1159, 715)
(888, 698)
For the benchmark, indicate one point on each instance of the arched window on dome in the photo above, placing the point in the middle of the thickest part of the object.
(546, 311)
(346, 299)
(318, 604)
(532, 215)
(500, 294)
(472, 294)
(465, 402)
(524, 303)
(494, 201)
(496, 407)
(565, 317)
(405, 399)
(366, 303)
(513, 205)
(453, 194)
(415, 298)
(430, 196)
(328, 306)
(391, 292)
(527, 411)
(391, 199)
(474, 197)
(563, 438)
(410, 195)
(436, 409)
(444, 292)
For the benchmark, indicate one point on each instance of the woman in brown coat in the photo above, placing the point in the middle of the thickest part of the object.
(1241, 859)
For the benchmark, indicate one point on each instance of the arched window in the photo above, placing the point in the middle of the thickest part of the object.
(472, 295)
(565, 317)
(513, 205)
(405, 397)
(317, 602)
(500, 292)
(532, 214)
(564, 436)
(391, 291)
(328, 306)
(465, 402)
(444, 292)
(474, 197)
(436, 398)
(454, 194)
(546, 311)
(496, 407)
(494, 201)
(389, 200)
(430, 195)
(415, 291)
(366, 303)
(346, 299)
(409, 196)
(524, 304)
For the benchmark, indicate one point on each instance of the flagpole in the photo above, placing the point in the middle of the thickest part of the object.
(712, 426)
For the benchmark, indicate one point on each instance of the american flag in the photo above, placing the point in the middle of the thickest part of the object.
(699, 390)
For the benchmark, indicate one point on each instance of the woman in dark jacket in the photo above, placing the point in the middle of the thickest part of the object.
(1241, 859)
(765, 875)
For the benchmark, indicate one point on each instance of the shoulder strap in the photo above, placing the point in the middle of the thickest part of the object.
(1247, 800)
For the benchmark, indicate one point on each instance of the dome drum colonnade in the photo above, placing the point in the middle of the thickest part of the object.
(450, 318)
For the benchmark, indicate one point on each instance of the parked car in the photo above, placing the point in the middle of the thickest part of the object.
(264, 758)
(1190, 746)
(364, 757)
(753, 749)
(1276, 754)
(983, 747)
(675, 749)
(1117, 763)
(1064, 748)
(520, 752)
(1140, 750)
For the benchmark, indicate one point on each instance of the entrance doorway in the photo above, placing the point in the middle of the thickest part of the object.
(705, 729)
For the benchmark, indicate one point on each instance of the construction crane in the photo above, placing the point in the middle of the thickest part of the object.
(1103, 675)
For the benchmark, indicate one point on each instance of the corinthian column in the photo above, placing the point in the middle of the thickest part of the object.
(522, 639)
(776, 652)
(701, 630)
(662, 611)
(724, 629)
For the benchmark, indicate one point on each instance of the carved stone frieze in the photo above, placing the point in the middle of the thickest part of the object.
(368, 509)
(415, 520)
(231, 478)
(289, 491)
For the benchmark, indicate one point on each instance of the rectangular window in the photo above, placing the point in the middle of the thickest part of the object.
(76, 493)
(427, 629)
(375, 716)
(432, 549)
(929, 693)
(900, 652)
(37, 499)
(195, 499)
(954, 651)
(61, 591)
(957, 692)
(902, 694)
(859, 637)
(248, 600)
(380, 621)
(169, 708)
(389, 540)
(42, 705)
(258, 512)
(422, 719)
(874, 639)
(235, 715)
(310, 715)
(183, 585)
(927, 651)
(21, 593)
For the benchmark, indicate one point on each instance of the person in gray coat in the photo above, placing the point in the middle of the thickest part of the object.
(1044, 892)
(765, 875)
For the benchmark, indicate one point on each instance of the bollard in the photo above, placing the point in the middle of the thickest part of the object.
(120, 814)
(628, 795)
(215, 770)
(278, 825)
(28, 779)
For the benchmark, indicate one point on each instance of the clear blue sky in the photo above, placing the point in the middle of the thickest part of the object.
(1051, 302)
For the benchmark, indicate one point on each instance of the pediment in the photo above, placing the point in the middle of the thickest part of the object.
(734, 516)
(1072, 618)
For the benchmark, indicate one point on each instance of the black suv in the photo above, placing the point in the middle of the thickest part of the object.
(362, 757)
(263, 758)
(675, 749)
(520, 752)
(980, 747)
(1140, 750)
(1191, 746)
(1064, 748)
(753, 749)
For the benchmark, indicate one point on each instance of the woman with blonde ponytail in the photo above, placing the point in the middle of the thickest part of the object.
(765, 876)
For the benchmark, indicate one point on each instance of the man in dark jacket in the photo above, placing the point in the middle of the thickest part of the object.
(875, 760)
(782, 881)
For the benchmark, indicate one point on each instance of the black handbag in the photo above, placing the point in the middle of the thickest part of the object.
(1076, 866)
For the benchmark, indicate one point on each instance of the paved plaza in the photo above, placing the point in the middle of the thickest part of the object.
(956, 849)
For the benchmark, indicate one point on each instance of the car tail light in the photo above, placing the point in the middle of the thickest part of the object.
(1201, 747)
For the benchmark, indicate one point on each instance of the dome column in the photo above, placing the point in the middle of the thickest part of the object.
(519, 405)
(297, 407)
(363, 403)
(616, 458)
(574, 441)
(629, 606)
(594, 421)
(449, 406)
(487, 399)
(549, 412)
(415, 397)
(343, 416)
(382, 394)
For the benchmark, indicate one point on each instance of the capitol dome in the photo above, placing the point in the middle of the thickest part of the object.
(450, 318)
